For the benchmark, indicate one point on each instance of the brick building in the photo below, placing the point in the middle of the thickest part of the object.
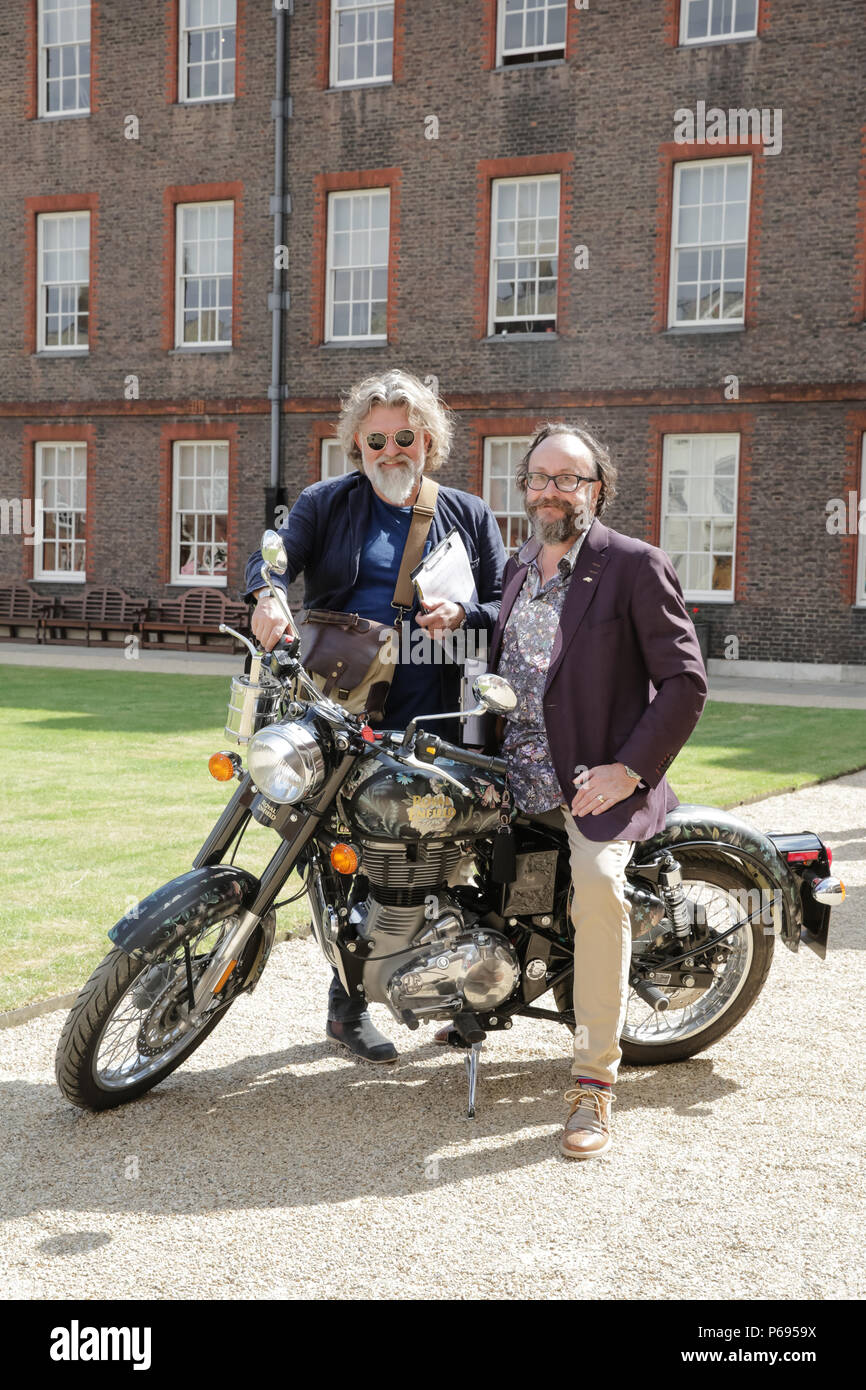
(651, 216)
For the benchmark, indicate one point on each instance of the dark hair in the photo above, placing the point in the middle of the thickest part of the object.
(604, 465)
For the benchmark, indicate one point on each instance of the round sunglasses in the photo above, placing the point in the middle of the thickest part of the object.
(404, 439)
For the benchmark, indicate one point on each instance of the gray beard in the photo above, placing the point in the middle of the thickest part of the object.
(566, 527)
(395, 484)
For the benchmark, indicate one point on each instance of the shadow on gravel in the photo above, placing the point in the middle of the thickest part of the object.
(262, 1133)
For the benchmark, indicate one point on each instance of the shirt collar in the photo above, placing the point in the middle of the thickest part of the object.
(568, 561)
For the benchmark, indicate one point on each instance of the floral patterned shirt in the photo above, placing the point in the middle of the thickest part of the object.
(526, 646)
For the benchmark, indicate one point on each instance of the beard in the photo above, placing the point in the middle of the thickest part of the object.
(397, 481)
(572, 522)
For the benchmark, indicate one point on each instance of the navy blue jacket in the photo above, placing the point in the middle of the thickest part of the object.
(327, 526)
(325, 533)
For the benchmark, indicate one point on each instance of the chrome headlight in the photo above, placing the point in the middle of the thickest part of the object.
(285, 762)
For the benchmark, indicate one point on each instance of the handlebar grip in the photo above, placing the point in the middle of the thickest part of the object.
(495, 766)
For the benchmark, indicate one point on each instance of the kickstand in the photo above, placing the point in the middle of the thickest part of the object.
(471, 1060)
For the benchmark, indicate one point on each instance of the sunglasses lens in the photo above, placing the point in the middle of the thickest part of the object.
(403, 438)
(377, 441)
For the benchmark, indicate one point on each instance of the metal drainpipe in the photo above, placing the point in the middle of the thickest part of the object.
(278, 299)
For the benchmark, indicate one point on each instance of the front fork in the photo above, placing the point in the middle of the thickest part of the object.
(296, 827)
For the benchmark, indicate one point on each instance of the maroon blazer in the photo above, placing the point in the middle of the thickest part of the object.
(626, 681)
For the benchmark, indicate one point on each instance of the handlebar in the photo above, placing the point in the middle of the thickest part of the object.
(441, 748)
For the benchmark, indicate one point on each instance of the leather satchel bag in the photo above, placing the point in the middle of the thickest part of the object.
(352, 659)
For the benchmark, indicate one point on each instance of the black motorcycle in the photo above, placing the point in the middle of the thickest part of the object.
(429, 893)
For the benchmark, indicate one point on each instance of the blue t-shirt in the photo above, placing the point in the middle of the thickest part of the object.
(416, 687)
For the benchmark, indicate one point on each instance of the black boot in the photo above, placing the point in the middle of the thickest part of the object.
(362, 1037)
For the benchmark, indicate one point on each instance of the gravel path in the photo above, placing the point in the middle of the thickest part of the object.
(272, 1166)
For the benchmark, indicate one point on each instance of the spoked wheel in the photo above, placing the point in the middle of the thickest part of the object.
(128, 1029)
(697, 1017)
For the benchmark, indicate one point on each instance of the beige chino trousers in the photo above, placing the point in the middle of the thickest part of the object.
(602, 951)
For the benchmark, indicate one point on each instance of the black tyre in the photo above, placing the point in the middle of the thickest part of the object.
(696, 1018)
(126, 1031)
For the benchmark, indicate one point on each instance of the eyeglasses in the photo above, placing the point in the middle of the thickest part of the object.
(564, 482)
(404, 439)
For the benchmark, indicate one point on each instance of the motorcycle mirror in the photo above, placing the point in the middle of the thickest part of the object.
(274, 552)
(494, 693)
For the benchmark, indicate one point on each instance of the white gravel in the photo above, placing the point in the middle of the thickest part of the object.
(273, 1166)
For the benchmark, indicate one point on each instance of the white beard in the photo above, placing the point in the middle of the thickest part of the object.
(396, 484)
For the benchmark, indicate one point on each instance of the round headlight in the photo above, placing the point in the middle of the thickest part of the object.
(285, 762)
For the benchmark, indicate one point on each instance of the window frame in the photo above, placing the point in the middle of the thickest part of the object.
(702, 595)
(212, 581)
(183, 97)
(526, 55)
(860, 570)
(41, 306)
(522, 441)
(706, 324)
(329, 335)
(39, 573)
(336, 7)
(42, 67)
(732, 37)
(492, 322)
(218, 345)
(327, 445)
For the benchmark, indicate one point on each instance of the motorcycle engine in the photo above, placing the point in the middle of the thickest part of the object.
(428, 956)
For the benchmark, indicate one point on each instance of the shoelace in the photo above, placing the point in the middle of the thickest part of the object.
(588, 1099)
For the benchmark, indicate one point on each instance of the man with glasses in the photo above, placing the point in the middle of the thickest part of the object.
(595, 638)
(347, 536)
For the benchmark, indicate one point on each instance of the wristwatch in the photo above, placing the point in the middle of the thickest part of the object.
(631, 772)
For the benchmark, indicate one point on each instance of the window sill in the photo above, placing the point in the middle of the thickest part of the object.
(192, 581)
(680, 330)
(55, 353)
(199, 349)
(206, 101)
(521, 338)
(63, 116)
(360, 86)
(530, 63)
(355, 343)
(717, 43)
(703, 602)
(60, 579)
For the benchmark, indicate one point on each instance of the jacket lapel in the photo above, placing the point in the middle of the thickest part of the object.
(359, 507)
(591, 561)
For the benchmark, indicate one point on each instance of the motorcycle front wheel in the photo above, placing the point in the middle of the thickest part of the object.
(126, 1031)
(695, 1018)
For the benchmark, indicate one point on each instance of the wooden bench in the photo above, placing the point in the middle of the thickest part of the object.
(195, 614)
(21, 607)
(108, 612)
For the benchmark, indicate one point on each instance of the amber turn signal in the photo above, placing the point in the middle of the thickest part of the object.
(222, 766)
(344, 858)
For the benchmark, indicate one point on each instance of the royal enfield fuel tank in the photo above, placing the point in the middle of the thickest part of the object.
(385, 799)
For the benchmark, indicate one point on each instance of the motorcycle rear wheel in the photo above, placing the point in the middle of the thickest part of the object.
(125, 1032)
(697, 1018)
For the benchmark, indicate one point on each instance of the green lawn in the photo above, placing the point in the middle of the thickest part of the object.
(107, 795)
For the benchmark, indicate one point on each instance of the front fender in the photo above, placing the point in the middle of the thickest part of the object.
(706, 827)
(181, 908)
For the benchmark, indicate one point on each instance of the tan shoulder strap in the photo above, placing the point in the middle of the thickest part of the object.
(419, 529)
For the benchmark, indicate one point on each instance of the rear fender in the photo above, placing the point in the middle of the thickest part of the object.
(706, 827)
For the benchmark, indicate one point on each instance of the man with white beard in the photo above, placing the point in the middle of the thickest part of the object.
(347, 536)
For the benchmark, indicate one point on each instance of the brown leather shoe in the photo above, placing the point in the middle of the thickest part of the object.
(442, 1034)
(587, 1129)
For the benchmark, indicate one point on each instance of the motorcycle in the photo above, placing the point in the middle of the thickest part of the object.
(430, 893)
